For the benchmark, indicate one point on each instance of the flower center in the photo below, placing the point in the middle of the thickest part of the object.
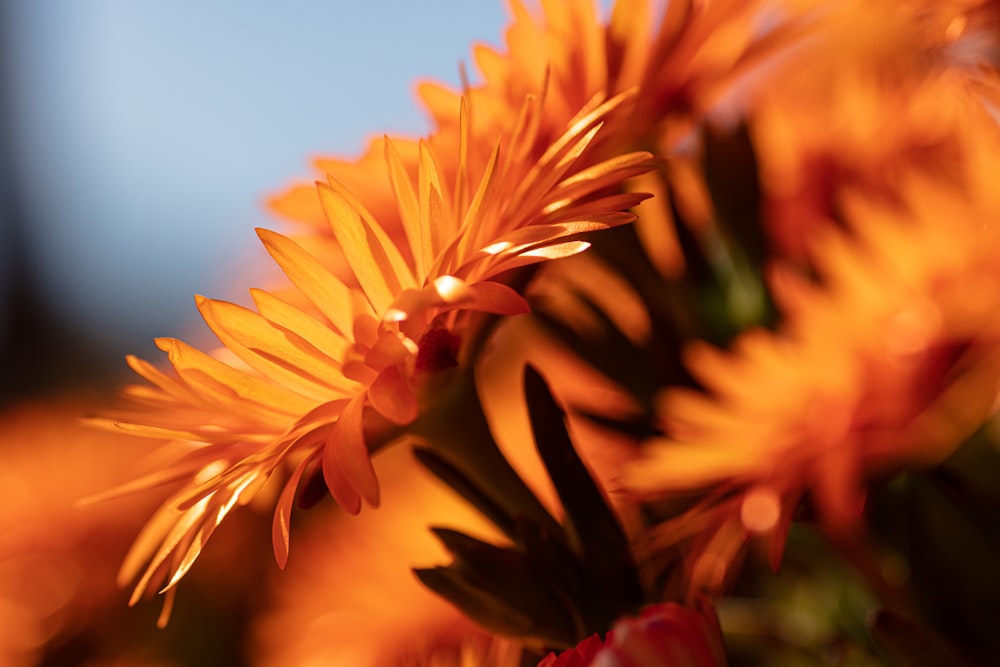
(437, 351)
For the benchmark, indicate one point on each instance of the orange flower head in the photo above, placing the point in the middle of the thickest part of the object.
(889, 360)
(879, 90)
(299, 385)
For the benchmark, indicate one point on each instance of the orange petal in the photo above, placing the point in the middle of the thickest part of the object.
(274, 352)
(154, 375)
(280, 527)
(299, 203)
(346, 454)
(391, 395)
(537, 254)
(330, 296)
(470, 231)
(228, 386)
(373, 257)
(603, 174)
(287, 316)
(390, 349)
(491, 297)
(409, 208)
(438, 100)
(340, 489)
(435, 225)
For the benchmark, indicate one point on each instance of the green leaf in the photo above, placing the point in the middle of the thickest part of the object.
(731, 174)
(467, 489)
(592, 526)
(478, 605)
(505, 585)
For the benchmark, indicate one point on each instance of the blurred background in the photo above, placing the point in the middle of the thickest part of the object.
(139, 139)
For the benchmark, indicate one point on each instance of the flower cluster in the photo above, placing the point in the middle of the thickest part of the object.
(668, 288)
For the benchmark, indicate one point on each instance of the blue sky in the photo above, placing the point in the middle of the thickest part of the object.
(149, 132)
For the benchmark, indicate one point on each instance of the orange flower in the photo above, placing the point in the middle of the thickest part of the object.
(890, 360)
(881, 89)
(292, 384)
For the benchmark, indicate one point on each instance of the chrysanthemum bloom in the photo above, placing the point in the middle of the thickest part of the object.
(663, 635)
(295, 385)
(889, 360)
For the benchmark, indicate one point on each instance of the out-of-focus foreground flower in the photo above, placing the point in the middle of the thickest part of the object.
(794, 339)
(57, 561)
(886, 353)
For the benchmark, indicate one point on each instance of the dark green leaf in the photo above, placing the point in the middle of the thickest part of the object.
(731, 174)
(467, 489)
(505, 585)
(592, 526)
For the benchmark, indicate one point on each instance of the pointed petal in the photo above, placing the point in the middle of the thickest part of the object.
(285, 315)
(151, 373)
(271, 351)
(409, 206)
(299, 204)
(330, 296)
(374, 259)
(434, 223)
(347, 466)
(462, 185)
(470, 232)
(599, 176)
(155, 479)
(507, 261)
(351, 454)
(497, 298)
(227, 386)
(280, 527)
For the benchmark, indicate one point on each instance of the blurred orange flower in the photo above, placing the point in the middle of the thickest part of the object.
(889, 360)
(58, 560)
(879, 90)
